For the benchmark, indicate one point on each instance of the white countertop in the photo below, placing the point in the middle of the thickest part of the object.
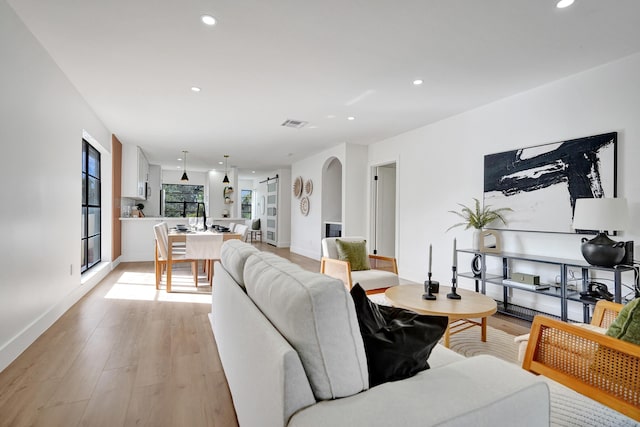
(159, 218)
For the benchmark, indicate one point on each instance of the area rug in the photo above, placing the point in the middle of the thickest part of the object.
(499, 344)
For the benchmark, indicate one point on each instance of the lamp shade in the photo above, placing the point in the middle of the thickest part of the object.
(601, 214)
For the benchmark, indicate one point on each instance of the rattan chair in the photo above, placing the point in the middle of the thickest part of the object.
(598, 366)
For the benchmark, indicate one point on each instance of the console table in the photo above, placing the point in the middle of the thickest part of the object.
(559, 290)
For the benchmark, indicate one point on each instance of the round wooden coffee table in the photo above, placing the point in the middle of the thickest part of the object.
(472, 305)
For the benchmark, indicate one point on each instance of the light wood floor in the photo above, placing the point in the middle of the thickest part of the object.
(126, 355)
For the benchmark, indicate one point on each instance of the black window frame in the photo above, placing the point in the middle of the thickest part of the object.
(89, 152)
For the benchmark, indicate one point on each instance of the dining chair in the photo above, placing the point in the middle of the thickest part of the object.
(206, 247)
(241, 229)
(162, 255)
(178, 247)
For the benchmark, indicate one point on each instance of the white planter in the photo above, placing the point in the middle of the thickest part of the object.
(475, 241)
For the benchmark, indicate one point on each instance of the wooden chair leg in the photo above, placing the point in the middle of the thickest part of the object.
(194, 269)
(158, 274)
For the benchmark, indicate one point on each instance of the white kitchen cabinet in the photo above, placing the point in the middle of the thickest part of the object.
(135, 172)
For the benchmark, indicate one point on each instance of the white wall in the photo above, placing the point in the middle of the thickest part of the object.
(42, 118)
(442, 164)
(306, 231)
(214, 191)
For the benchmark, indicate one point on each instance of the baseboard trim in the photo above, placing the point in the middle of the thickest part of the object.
(18, 344)
(307, 253)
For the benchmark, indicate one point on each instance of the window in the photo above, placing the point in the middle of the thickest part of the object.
(91, 207)
(245, 205)
(183, 200)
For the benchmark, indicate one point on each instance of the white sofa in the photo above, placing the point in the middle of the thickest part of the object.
(317, 375)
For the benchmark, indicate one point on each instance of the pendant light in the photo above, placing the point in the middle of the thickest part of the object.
(226, 178)
(184, 178)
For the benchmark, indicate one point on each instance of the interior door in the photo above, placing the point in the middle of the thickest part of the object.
(272, 212)
(384, 210)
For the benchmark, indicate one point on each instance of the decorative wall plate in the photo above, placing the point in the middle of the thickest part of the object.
(308, 187)
(304, 205)
(297, 187)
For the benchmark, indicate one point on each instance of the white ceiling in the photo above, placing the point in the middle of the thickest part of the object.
(134, 61)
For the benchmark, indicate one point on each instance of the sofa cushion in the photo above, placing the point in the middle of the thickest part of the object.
(355, 253)
(397, 342)
(374, 279)
(627, 325)
(234, 254)
(478, 391)
(315, 314)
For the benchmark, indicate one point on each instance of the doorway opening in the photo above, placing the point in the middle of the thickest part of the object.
(383, 209)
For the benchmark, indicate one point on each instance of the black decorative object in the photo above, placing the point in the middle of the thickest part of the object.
(475, 265)
(430, 287)
(454, 279)
(602, 251)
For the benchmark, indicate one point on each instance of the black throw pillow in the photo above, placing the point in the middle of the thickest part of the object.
(397, 342)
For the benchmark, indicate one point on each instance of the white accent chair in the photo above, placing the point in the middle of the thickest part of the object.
(232, 227)
(383, 273)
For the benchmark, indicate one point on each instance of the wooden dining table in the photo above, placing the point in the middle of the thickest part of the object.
(181, 236)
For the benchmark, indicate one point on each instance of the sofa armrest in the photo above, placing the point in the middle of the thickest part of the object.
(595, 365)
(385, 263)
(341, 270)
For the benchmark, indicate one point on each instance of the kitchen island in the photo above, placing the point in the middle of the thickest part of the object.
(138, 239)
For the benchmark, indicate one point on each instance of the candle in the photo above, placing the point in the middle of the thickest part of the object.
(455, 254)
(429, 259)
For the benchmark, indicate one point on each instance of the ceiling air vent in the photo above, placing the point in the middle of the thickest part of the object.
(296, 124)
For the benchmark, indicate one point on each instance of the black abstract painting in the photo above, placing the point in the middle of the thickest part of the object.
(542, 183)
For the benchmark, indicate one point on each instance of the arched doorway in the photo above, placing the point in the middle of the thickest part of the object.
(332, 198)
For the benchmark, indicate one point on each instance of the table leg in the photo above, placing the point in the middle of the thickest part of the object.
(169, 264)
(484, 329)
(447, 335)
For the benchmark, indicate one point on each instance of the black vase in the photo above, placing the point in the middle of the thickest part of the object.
(602, 251)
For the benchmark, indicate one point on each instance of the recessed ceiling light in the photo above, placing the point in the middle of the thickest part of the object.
(253, 171)
(418, 82)
(351, 118)
(564, 3)
(177, 167)
(179, 159)
(208, 20)
(195, 89)
(221, 163)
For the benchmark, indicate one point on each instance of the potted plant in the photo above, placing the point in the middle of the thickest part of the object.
(477, 218)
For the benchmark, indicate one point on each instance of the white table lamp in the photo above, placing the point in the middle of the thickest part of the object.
(602, 215)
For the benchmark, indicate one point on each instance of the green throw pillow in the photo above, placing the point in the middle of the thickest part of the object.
(627, 325)
(255, 225)
(355, 253)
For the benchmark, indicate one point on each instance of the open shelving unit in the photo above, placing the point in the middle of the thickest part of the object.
(563, 291)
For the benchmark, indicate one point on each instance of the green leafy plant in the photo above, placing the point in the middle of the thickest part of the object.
(479, 217)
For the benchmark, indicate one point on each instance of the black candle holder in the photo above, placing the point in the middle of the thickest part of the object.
(453, 294)
(430, 287)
